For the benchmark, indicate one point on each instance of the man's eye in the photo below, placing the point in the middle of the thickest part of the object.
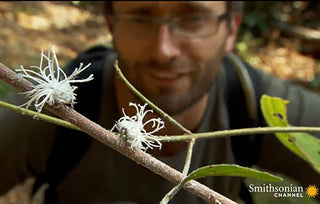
(192, 22)
(194, 18)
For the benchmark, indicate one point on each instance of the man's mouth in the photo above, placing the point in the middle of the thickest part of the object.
(166, 76)
(168, 79)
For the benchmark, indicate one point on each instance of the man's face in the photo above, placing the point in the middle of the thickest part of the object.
(172, 71)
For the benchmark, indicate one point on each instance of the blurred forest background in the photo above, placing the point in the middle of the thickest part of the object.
(280, 37)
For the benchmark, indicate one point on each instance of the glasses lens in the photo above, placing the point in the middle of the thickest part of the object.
(133, 26)
(189, 26)
(196, 25)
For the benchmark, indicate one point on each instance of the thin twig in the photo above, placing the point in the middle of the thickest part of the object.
(117, 143)
(236, 132)
(162, 113)
(39, 116)
(188, 157)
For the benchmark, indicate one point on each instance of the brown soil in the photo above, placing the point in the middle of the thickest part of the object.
(28, 27)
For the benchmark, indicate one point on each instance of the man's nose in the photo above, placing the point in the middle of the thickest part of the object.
(165, 46)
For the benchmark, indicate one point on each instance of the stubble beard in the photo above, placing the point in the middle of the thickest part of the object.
(168, 99)
(173, 102)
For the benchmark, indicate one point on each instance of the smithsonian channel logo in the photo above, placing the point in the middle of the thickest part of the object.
(290, 191)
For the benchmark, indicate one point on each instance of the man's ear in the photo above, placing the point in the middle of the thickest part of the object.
(232, 36)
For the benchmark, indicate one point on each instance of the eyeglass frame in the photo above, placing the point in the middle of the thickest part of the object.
(170, 21)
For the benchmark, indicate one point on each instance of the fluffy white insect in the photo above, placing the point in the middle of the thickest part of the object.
(50, 83)
(133, 128)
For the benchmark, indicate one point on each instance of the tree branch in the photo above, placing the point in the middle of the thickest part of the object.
(117, 143)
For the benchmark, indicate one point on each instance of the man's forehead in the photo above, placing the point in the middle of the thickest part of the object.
(167, 6)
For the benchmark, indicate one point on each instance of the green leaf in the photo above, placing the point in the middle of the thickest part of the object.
(275, 113)
(221, 170)
(230, 170)
(274, 110)
(310, 147)
(304, 145)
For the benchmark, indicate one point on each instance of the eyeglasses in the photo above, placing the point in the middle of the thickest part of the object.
(187, 26)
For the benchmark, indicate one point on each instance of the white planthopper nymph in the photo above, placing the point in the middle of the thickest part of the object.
(50, 83)
(134, 128)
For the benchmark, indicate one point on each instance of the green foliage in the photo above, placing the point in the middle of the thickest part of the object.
(302, 144)
(244, 48)
(310, 147)
(256, 17)
(253, 29)
(221, 170)
(230, 170)
(259, 17)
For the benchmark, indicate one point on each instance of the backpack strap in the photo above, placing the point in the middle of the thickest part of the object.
(242, 96)
(64, 154)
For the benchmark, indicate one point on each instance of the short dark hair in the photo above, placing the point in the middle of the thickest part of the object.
(232, 7)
